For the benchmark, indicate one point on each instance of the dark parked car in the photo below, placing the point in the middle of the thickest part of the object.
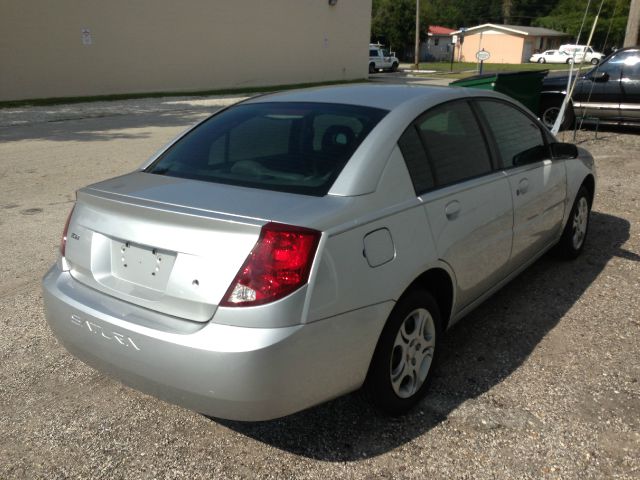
(609, 92)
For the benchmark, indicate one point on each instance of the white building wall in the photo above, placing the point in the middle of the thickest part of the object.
(61, 48)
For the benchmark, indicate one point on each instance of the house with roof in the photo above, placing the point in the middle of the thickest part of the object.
(505, 43)
(438, 45)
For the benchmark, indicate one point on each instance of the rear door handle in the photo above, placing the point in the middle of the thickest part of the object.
(523, 187)
(452, 209)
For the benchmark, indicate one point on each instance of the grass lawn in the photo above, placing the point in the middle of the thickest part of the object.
(467, 69)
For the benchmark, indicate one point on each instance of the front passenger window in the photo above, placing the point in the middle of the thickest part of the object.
(612, 67)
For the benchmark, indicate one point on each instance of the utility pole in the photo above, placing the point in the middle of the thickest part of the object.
(633, 24)
(417, 51)
(506, 11)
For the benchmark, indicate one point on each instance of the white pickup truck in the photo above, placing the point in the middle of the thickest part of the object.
(381, 59)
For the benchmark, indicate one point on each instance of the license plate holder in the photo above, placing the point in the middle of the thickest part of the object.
(140, 264)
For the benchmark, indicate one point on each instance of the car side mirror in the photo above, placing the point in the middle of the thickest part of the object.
(564, 150)
(600, 77)
(532, 155)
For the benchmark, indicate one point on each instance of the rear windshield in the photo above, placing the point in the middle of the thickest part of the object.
(290, 147)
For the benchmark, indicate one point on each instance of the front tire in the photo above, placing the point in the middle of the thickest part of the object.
(550, 110)
(569, 61)
(372, 67)
(575, 231)
(594, 61)
(403, 363)
(541, 60)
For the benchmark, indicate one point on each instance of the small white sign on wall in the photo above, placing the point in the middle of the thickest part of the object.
(483, 55)
(86, 37)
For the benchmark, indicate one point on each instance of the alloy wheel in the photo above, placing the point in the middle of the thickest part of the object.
(580, 222)
(412, 353)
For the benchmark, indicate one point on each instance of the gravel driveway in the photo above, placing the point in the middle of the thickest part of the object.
(542, 381)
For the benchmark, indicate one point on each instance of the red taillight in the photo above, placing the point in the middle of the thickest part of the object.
(63, 240)
(279, 264)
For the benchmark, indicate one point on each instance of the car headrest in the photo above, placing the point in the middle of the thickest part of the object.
(337, 137)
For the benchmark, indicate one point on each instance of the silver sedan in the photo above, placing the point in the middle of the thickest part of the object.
(302, 245)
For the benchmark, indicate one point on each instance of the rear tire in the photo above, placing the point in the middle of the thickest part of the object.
(394, 67)
(569, 61)
(372, 67)
(403, 363)
(575, 231)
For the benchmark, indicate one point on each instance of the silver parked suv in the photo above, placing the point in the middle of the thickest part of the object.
(298, 246)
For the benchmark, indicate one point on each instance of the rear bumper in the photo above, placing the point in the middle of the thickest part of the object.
(219, 370)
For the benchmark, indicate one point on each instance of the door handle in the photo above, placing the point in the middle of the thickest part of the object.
(523, 187)
(452, 209)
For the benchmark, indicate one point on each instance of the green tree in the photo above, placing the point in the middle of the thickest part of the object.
(463, 13)
(524, 12)
(567, 17)
(395, 21)
(470, 13)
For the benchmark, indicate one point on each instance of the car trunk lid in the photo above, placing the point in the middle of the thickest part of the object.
(172, 245)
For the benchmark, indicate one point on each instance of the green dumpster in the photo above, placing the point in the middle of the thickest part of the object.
(523, 86)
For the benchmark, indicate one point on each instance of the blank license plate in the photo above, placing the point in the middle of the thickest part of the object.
(140, 264)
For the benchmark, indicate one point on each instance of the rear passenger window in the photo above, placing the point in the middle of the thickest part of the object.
(416, 159)
(519, 139)
(455, 146)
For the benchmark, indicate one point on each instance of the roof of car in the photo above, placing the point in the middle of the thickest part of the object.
(386, 97)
